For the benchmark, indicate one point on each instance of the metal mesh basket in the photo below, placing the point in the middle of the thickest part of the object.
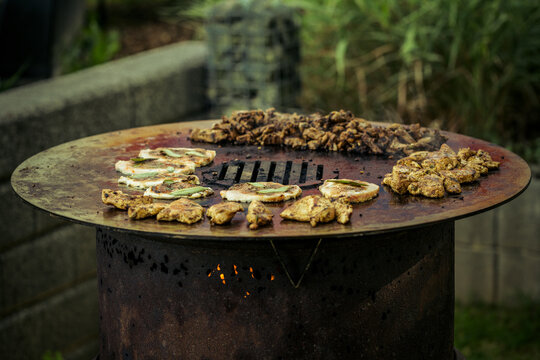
(254, 52)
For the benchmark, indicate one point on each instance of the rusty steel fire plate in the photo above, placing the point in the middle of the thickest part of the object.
(67, 180)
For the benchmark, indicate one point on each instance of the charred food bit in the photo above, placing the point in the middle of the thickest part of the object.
(182, 210)
(352, 191)
(313, 208)
(258, 215)
(223, 213)
(145, 210)
(335, 131)
(123, 201)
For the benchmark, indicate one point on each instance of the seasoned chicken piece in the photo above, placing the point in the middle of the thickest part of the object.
(478, 160)
(462, 175)
(398, 180)
(145, 210)
(258, 214)
(444, 159)
(182, 210)
(198, 156)
(209, 135)
(344, 211)
(313, 208)
(451, 185)
(175, 190)
(145, 181)
(430, 185)
(353, 191)
(223, 213)
(150, 167)
(123, 201)
(263, 191)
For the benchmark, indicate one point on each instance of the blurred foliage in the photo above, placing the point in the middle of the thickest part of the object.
(93, 46)
(49, 355)
(471, 66)
(494, 332)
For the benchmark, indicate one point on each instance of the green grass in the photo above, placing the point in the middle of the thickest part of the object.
(489, 332)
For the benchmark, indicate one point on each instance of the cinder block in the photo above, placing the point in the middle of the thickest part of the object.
(519, 275)
(519, 220)
(18, 220)
(478, 229)
(474, 270)
(158, 86)
(60, 323)
(45, 264)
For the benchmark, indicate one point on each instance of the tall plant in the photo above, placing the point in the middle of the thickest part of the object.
(469, 65)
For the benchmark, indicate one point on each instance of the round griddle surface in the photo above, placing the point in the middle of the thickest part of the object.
(67, 180)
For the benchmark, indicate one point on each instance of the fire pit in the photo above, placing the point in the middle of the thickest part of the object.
(381, 286)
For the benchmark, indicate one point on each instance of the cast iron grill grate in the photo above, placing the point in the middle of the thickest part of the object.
(304, 174)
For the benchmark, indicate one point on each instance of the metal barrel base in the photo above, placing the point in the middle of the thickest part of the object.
(388, 296)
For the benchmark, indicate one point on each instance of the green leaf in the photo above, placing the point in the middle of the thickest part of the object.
(256, 184)
(144, 175)
(271, 191)
(347, 182)
(168, 181)
(171, 153)
(188, 191)
(170, 168)
(195, 153)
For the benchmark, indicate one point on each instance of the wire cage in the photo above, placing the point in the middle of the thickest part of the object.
(254, 53)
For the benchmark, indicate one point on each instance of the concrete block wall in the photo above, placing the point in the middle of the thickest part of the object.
(498, 252)
(48, 287)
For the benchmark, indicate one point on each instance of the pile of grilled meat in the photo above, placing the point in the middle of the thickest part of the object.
(431, 173)
(336, 131)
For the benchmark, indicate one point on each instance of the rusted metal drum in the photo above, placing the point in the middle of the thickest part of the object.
(387, 296)
(379, 287)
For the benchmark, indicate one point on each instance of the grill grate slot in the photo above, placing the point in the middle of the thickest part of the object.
(223, 171)
(288, 172)
(271, 171)
(303, 173)
(255, 172)
(239, 170)
(320, 170)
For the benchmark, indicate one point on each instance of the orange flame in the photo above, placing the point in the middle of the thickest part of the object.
(272, 277)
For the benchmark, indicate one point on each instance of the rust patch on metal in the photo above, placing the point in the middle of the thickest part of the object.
(67, 180)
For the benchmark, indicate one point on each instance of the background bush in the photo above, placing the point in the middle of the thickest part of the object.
(470, 66)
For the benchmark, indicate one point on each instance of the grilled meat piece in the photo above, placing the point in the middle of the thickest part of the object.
(430, 173)
(336, 131)
(145, 210)
(313, 208)
(175, 190)
(150, 167)
(123, 201)
(182, 210)
(349, 190)
(198, 156)
(258, 215)
(263, 191)
(344, 211)
(144, 182)
(429, 185)
(223, 212)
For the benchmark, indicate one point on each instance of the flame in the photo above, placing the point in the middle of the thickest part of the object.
(235, 271)
(251, 271)
(272, 277)
(218, 267)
